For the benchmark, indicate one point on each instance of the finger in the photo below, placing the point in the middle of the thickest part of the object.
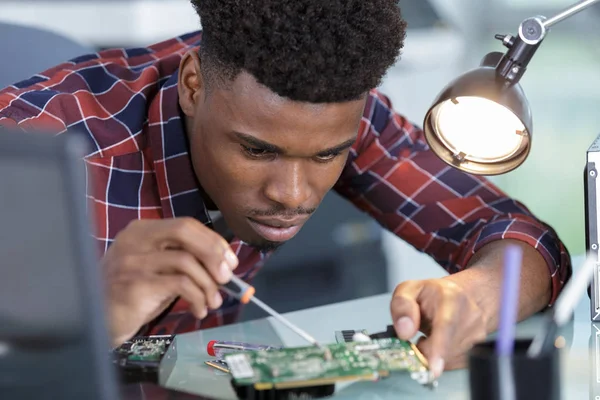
(436, 365)
(174, 262)
(457, 355)
(128, 264)
(182, 286)
(438, 344)
(405, 310)
(140, 236)
(181, 262)
(203, 243)
(456, 359)
(144, 294)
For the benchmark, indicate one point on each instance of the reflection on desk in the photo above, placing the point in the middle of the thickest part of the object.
(185, 370)
(149, 391)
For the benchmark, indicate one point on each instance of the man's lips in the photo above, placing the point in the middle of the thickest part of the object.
(275, 229)
(280, 222)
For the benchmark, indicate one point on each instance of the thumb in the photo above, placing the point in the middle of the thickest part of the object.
(405, 310)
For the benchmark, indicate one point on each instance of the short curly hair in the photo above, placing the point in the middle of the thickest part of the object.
(316, 51)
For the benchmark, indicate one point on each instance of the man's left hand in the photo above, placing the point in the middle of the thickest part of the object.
(441, 309)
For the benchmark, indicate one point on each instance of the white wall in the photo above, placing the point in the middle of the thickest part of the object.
(105, 23)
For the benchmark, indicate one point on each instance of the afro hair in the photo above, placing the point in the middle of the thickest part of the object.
(316, 51)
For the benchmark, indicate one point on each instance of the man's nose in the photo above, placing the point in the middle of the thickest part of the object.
(289, 186)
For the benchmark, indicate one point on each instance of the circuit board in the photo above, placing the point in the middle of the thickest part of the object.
(145, 349)
(313, 366)
(138, 359)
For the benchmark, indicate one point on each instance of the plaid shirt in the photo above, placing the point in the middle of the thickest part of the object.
(124, 102)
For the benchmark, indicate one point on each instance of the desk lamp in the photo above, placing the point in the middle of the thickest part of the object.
(481, 122)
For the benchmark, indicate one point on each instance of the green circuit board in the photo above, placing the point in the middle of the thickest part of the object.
(312, 366)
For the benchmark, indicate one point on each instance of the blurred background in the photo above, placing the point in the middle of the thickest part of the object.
(349, 255)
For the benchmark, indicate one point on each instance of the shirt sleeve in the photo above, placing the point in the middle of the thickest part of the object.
(393, 175)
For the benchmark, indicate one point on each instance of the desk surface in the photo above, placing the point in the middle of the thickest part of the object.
(189, 374)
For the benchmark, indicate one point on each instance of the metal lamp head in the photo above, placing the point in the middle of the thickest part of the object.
(480, 123)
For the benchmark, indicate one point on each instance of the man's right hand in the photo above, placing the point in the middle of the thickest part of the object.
(152, 262)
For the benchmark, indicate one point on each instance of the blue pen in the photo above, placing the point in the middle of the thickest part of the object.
(505, 341)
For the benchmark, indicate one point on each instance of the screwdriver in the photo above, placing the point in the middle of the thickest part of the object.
(245, 294)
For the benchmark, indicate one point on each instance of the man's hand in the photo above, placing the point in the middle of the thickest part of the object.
(152, 262)
(443, 311)
(459, 310)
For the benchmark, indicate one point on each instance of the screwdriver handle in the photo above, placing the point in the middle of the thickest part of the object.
(239, 289)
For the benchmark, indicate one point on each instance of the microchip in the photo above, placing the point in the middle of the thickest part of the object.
(239, 366)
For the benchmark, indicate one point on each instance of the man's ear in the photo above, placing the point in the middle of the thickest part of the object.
(191, 85)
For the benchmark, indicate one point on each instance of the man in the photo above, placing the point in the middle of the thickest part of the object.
(254, 120)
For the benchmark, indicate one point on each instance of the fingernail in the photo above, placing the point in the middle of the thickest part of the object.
(437, 367)
(225, 272)
(231, 258)
(218, 300)
(405, 328)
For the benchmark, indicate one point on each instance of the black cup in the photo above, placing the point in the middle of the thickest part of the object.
(491, 376)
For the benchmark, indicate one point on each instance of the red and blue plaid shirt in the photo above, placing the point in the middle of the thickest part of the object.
(124, 101)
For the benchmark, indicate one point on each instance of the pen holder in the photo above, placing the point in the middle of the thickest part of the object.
(491, 376)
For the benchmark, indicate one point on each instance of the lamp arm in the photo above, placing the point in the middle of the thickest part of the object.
(532, 32)
(574, 9)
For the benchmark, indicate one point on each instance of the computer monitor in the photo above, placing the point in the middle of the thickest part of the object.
(53, 338)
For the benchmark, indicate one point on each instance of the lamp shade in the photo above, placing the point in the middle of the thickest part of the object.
(480, 123)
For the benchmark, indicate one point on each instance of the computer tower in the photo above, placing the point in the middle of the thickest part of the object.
(592, 169)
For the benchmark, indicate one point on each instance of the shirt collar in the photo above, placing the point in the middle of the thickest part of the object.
(177, 183)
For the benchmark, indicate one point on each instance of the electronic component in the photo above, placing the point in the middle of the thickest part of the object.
(347, 336)
(138, 359)
(305, 367)
(219, 365)
(350, 335)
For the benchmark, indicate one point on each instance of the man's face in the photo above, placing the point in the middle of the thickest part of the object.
(264, 161)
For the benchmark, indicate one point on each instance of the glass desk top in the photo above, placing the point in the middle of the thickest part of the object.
(183, 369)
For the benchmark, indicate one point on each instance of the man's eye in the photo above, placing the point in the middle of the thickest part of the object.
(255, 152)
(328, 156)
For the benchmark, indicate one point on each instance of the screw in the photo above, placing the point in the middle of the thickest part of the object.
(592, 173)
(515, 70)
(594, 247)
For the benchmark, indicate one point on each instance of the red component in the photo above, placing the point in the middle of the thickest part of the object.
(210, 348)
